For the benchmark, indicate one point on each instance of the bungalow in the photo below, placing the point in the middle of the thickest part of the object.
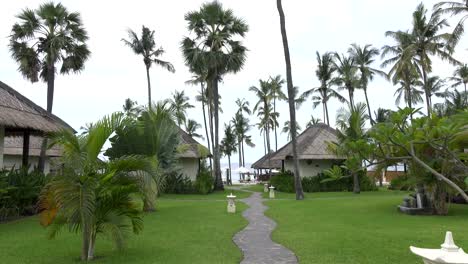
(22, 123)
(190, 155)
(312, 151)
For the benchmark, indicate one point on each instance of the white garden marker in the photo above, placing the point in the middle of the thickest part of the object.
(449, 253)
(272, 192)
(231, 207)
(265, 187)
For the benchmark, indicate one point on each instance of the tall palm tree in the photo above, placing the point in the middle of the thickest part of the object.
(460, 76)
(96, 197)
(434, 87)
(455, 101)
(292, 108)
(191, 127)
(145, 46)
(364, 58)
(425, 40)
(263, 108)
(228, 147)
(213, 48)
(180, 103)
(131, 108)
(277, 94)
(346, 78)
(323, 93)
(41, 40)
(287, 129)
(242, 127)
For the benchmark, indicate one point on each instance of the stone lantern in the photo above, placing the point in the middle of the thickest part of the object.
(231, 207)
(265, 187)
(449, 253)
(272, 192)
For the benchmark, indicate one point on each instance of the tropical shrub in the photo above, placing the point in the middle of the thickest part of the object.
(19, 192)
(204, 182)
(96, 197)
(284, 182)
(178, 183)
(402, 183)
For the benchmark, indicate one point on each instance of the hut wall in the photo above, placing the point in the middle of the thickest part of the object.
(2, 144)
(309, 168)
(189, 167)
(10, 161)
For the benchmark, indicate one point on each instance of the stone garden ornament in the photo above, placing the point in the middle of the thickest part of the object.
(449, 253)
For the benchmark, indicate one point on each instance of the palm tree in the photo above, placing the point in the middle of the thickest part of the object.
(351, 130)
(93, 196)
(408, 91)
(191, 126)
(228, 147)
(145, 46)
(455, 101)
(313, 121)
(425, 40)
(180, 103)
(364, 57)
(277, 94)
(41, 40)
(263, 108)
(292, 109)
(287, 129)
(131, 108)
(213, 48)
(323, 93)
(347, 78)
(242, 127)
(460, 76)
(434, 87)
(298, 99)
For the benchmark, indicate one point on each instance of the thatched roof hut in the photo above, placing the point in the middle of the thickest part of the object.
(190, 148)
(262, 163)
(14, 146)
(20, 116)
(18, 113)
(312, 144)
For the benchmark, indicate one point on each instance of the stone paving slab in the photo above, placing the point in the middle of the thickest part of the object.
(255, 239)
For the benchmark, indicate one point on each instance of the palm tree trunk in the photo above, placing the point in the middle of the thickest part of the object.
(466, 95)
(264, 144)
(210, 116)
(351, 98)
(239, 147)
(243, 154)
(292, 106)
(276, 134)
(356, 187)
(92, 245)
(268, 148)
(149, 86)
(229, 177)
(50, 102)
(326, 110)
(217, 164)
(426, 92)
(368, 106)
(204, 121)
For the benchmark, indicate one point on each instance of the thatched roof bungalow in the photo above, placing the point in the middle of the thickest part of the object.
(190, 154)
(20, 116)
(312, 149)
(263, 164)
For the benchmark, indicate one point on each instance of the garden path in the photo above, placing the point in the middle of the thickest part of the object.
(255, 239)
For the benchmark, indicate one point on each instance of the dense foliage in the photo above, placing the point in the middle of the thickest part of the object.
(179, 184)
(19, 192)
(284, 182)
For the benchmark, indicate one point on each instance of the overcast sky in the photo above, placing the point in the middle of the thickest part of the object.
(114, 73)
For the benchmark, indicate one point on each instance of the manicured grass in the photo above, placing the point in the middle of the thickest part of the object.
(218, 195)
(365, 228)
(179, 232)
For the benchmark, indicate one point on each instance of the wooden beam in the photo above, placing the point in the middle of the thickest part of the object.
(26, 135)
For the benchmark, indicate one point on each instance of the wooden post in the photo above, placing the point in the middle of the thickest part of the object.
(2, 145)
(26, 134)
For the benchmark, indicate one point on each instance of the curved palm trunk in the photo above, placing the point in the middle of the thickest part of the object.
(326, 111)
(292, 107)
(351, 97)
(210, 116)
(204, 121)
(368, 106)
(276, 134)
(426, 91)
(268, 150)
(243, 154)
(229, 176)
(217, 164)
(50, 102)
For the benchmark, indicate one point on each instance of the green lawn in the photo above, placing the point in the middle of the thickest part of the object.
(180, 231)
(366, 228)
(220, 195)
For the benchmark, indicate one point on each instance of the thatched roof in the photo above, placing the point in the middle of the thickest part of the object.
(262, 163)
(18, 113)
(312, 144)
(14, 146)
(190, 148)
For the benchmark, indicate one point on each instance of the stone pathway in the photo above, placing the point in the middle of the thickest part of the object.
(255, 241)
